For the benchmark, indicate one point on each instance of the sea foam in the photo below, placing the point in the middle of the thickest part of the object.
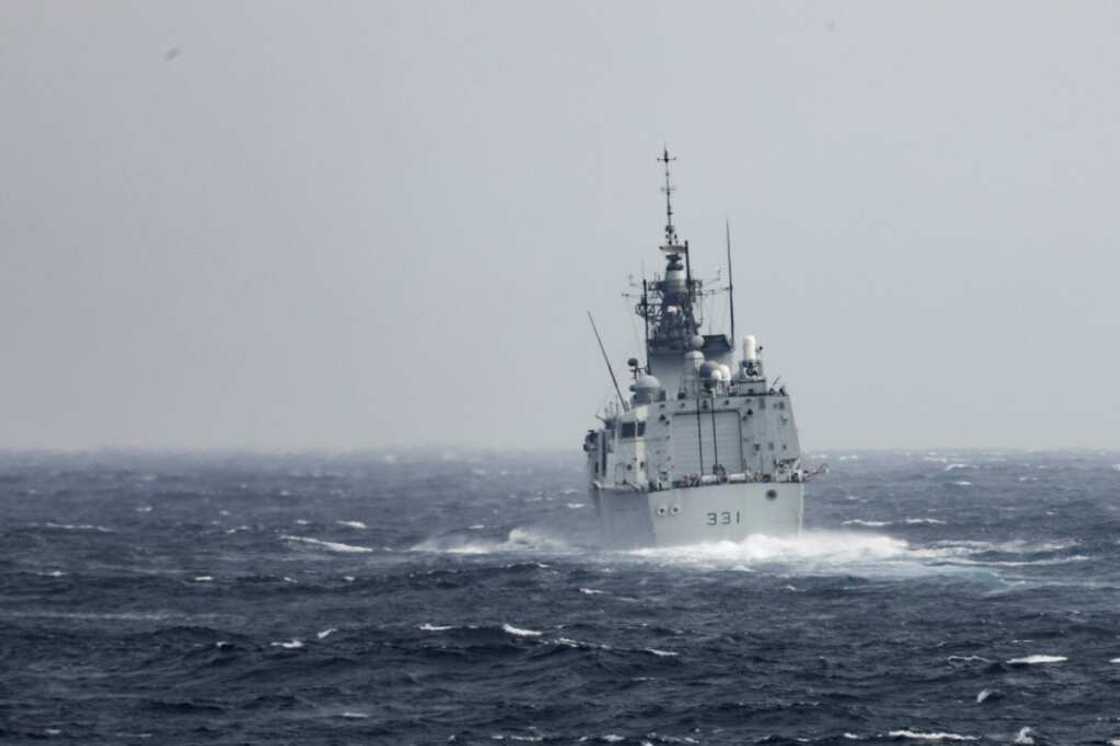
(333, 546)
(1037, 658)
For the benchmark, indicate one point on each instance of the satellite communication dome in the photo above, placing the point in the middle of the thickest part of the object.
(646, 389)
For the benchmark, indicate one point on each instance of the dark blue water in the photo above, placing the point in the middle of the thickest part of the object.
(317, 600)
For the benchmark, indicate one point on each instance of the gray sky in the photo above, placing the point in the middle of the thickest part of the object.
(287, 225)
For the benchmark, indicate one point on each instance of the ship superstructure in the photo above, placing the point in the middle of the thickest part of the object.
(705, 448)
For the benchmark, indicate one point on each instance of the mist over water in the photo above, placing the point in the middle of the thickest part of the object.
(171, 599)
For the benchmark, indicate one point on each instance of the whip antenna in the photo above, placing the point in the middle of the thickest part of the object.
(730, 282)
(607, 360)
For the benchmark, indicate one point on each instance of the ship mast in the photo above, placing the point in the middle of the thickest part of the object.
(668, 189)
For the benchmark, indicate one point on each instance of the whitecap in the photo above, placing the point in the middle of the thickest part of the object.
(518, 540)
(333, 546)
(1037, 658)
(868, 524)
(941, 736)
(426, 627)
(289, 580)
(520, 632)
(349, 578)
(662, 653)
(953, 467)
(289, 645)
(477, 526)
(968, 659)
(576, 506)
(591, 591)
(928, 521)
(569, 642)
(144, 509)
(963, 483)
(203, 578)
(302, 522)
(1115, 660)
(326, 633)
(983, 695)
(823, 550)
(352, 524)
(354, 715)
(78, 527)
(55, 573)
(1024, 737)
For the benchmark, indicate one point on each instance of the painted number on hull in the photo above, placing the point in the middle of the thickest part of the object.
(724, 518)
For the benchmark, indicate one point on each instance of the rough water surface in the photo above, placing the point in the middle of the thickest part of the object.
(934, 598)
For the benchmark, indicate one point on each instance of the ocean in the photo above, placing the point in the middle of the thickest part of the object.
(455, 598)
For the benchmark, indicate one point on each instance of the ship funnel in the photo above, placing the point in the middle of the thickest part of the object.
(750, 349)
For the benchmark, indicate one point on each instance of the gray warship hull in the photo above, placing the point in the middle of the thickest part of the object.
(705, 449)
(698, 515)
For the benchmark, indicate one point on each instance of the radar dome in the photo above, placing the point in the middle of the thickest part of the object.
(646, 389)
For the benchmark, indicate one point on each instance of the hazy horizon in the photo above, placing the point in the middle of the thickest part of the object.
(283, 227)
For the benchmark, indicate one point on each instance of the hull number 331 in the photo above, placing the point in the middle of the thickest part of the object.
(726, 518)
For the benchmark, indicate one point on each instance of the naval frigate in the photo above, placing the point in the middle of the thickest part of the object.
(705, 447)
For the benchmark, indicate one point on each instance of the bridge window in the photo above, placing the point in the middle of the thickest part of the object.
(633, 429)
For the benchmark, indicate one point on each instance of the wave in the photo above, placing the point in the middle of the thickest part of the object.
(661, 653)
(968, 659)
(861, 553)
(820, 548)
(518, 540)
(940, 736)
(883, 524)
(78, 527)
(1037, 658)
(520, 631)
(333, 546)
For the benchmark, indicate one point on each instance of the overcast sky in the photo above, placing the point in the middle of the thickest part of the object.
(287, 225)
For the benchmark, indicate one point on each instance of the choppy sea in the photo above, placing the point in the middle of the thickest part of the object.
(189, 599)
